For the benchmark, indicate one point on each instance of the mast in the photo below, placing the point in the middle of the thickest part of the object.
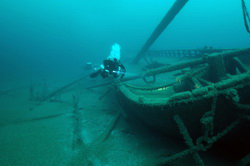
(178, 5)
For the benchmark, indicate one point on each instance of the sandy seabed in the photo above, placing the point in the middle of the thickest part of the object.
(57, 132)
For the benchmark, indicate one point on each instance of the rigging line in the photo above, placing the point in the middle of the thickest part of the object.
(245, 15)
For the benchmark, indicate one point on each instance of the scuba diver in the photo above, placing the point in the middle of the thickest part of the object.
(111, 66)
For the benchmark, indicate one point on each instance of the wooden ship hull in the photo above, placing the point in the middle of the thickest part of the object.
(157, 109)
(203, 105)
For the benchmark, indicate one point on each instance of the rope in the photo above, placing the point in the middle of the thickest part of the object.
(207, 140)
(245, 15)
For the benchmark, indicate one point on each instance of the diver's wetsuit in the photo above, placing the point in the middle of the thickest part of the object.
(111, 68)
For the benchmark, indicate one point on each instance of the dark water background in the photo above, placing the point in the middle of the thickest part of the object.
(56, 37)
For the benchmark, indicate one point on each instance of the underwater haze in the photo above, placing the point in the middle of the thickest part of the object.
(54, 37)
(49, 117)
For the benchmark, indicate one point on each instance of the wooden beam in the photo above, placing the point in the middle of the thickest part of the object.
(178, 5)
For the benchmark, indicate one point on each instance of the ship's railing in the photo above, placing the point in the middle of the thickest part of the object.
(183, 52)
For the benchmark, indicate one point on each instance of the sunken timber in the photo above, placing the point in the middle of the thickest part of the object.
(209, 102)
